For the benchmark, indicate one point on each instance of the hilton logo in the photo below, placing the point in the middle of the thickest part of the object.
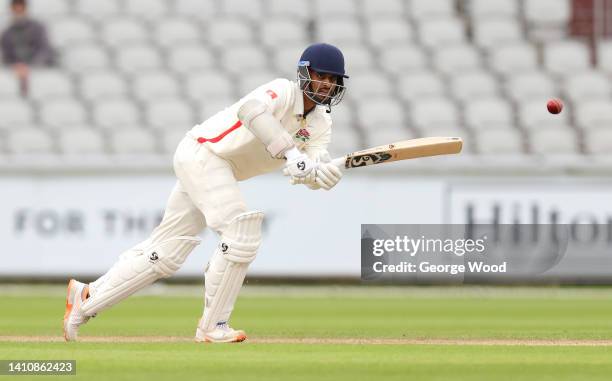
(533, 222)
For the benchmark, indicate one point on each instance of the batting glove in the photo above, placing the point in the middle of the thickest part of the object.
(327, 175)
(300, 167)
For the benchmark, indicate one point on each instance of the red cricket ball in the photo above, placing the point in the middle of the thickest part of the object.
(554, 106)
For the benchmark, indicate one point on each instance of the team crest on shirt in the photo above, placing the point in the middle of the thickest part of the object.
(302, 135)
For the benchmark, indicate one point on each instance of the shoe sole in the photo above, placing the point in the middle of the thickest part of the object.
(238, 339)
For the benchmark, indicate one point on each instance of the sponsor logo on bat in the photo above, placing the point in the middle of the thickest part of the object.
(366, 159)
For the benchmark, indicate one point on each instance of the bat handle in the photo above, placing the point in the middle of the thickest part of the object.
(339, 162)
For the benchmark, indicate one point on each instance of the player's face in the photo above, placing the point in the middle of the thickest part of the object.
(322, 84)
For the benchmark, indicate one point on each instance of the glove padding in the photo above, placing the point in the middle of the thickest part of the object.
(301, 168)
(327, 175)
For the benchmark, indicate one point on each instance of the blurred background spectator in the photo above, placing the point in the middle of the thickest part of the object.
(25, 43)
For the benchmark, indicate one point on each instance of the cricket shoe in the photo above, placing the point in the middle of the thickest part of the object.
(73, 317)
(222, 333)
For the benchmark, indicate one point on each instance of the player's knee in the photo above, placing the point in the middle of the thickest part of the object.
(220, 219)
(241, 237)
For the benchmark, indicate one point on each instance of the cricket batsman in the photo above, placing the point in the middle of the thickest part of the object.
(282, 124)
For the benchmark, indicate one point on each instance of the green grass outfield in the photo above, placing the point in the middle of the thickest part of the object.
(327, 333)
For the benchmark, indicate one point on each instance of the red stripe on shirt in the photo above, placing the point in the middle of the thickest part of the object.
(218, 138)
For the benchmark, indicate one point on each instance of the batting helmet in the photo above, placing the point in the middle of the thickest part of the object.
(324, 59)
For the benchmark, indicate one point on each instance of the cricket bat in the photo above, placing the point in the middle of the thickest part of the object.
(403, 150)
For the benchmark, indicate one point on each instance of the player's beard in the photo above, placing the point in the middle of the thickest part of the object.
(321, 98)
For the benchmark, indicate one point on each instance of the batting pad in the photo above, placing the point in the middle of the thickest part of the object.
(137, 269)
(228, 267)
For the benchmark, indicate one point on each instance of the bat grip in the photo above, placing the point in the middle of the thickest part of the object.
(339, 162)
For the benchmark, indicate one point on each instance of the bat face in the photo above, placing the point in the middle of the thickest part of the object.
(403, 150)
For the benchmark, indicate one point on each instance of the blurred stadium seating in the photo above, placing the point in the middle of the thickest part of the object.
(136, 74)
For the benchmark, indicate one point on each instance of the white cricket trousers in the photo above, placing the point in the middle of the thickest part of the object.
(206, 194)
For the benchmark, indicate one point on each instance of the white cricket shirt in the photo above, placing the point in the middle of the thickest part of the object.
(225, 135)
